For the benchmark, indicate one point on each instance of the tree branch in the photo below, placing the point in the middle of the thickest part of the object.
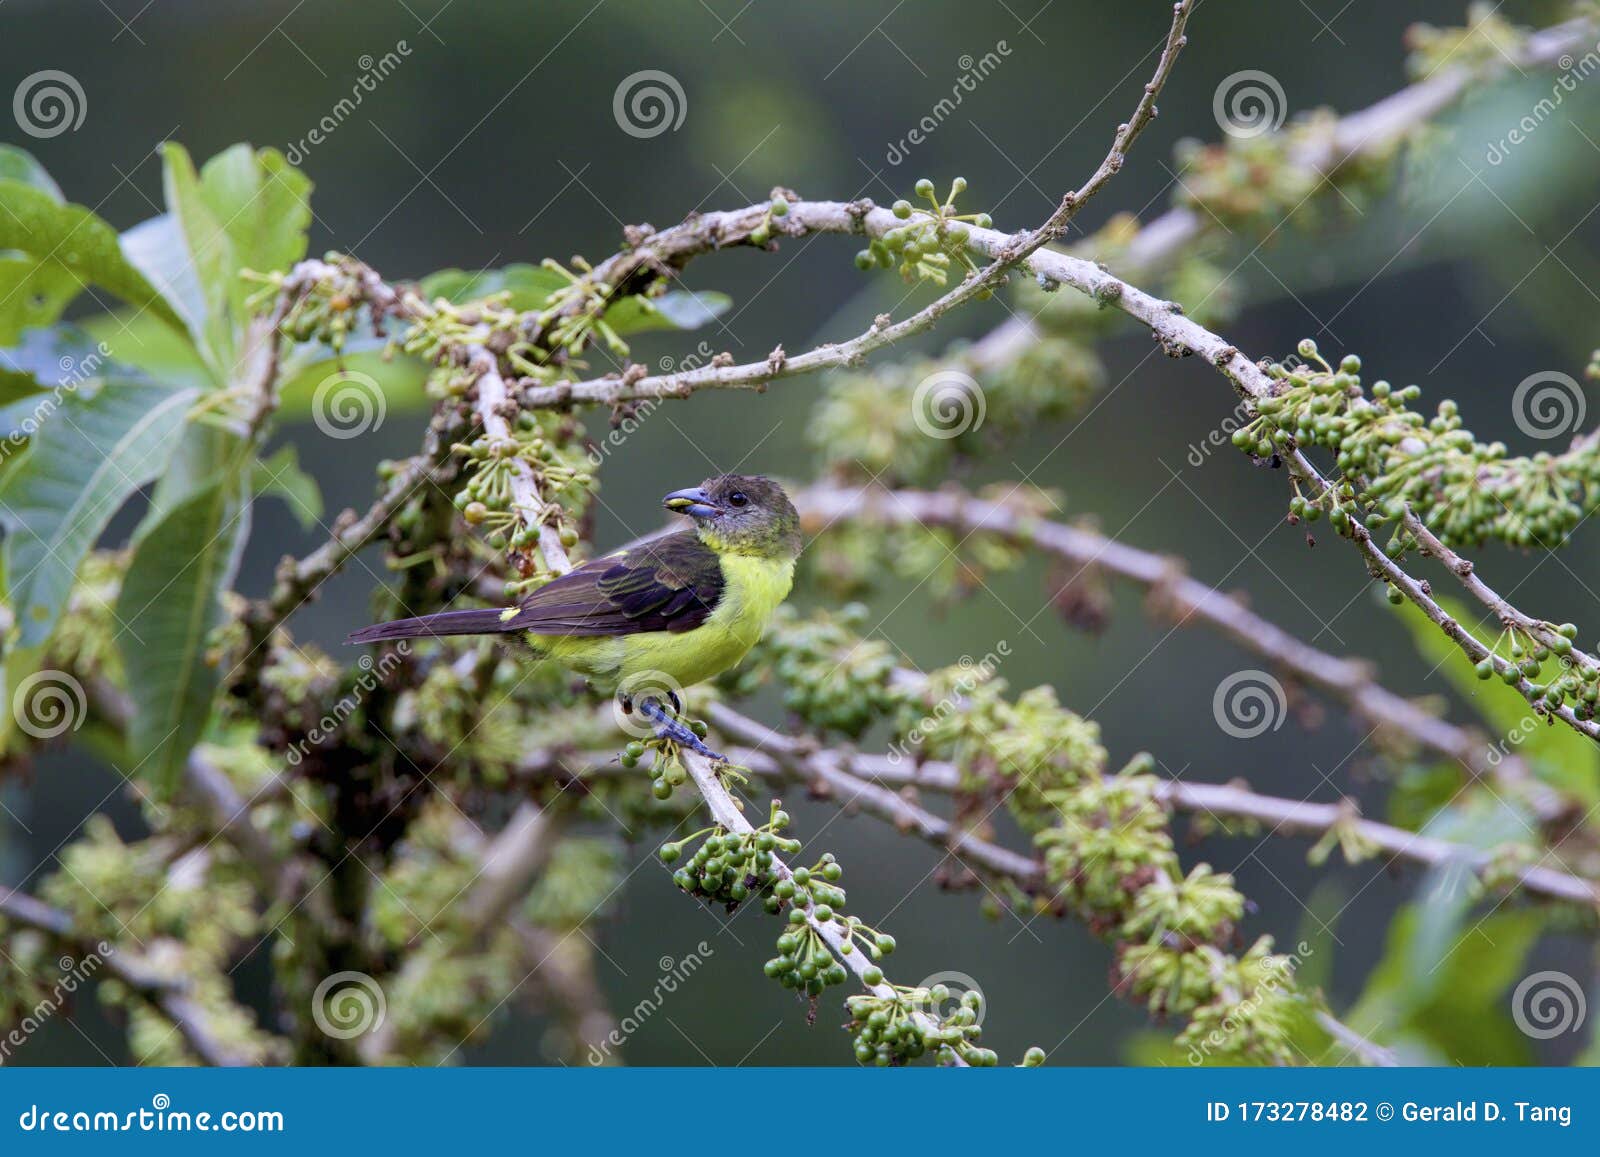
(168, 995)
(1186, 598)
(725, 811)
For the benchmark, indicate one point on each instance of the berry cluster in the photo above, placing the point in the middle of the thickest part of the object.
(904, 1025)
(923, 248)
(1395, 460)
(561, 476)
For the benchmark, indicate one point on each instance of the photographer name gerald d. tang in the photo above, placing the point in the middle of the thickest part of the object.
(1473, 1112)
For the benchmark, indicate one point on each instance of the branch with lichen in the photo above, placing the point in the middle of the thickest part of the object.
(1104, 839)
(173, 998)
(1180, 599)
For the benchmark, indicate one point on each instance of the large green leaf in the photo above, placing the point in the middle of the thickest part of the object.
(530, 287)
(170, 602)
(56, 250)
(1559, 756)
(677, 309)
(20, 165)
(204, 261)
(46, 359)
(245, 210)
(281, 476)
(264, 205)
(1415, 998)
(89, 454)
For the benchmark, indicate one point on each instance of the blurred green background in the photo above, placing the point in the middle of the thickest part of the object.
(494, 141)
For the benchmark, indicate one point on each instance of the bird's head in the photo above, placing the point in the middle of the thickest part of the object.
(741, 514)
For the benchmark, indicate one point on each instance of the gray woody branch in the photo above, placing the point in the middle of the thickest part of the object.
(1184, 598)
(168, 995)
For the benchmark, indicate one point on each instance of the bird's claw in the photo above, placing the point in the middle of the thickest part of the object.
(672, 728)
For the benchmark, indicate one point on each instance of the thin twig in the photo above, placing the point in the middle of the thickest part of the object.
(725, 811)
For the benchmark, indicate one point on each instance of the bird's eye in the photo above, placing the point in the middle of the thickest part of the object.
(737, 498)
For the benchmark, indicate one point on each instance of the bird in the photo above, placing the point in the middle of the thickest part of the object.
(662, 614)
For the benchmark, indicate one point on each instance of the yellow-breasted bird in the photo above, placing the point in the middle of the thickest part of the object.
(676, 609)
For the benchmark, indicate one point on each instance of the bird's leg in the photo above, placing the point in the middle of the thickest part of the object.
(669, 727)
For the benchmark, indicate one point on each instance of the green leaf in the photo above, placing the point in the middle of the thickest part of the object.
(530, 287)
(1559, 756)
(402, 381)
(245, 210)
(35, 294)
(45, 359)
(170, 602)
(86, 459)
(138, 340)
(679, 309)
(55, 243)
(20, 165)
(194, 246)
(1416, 995)
(264, 204)
(281, 475)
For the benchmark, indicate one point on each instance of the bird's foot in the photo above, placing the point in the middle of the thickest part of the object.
(670, 727)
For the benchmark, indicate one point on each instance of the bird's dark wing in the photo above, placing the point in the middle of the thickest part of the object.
(666, 584)
(671, 583)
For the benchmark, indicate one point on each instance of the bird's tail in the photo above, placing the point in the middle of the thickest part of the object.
(487, 621)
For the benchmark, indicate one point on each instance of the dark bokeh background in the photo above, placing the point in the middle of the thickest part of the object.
(494, 141)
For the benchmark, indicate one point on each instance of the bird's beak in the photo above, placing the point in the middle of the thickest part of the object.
(695, 502)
